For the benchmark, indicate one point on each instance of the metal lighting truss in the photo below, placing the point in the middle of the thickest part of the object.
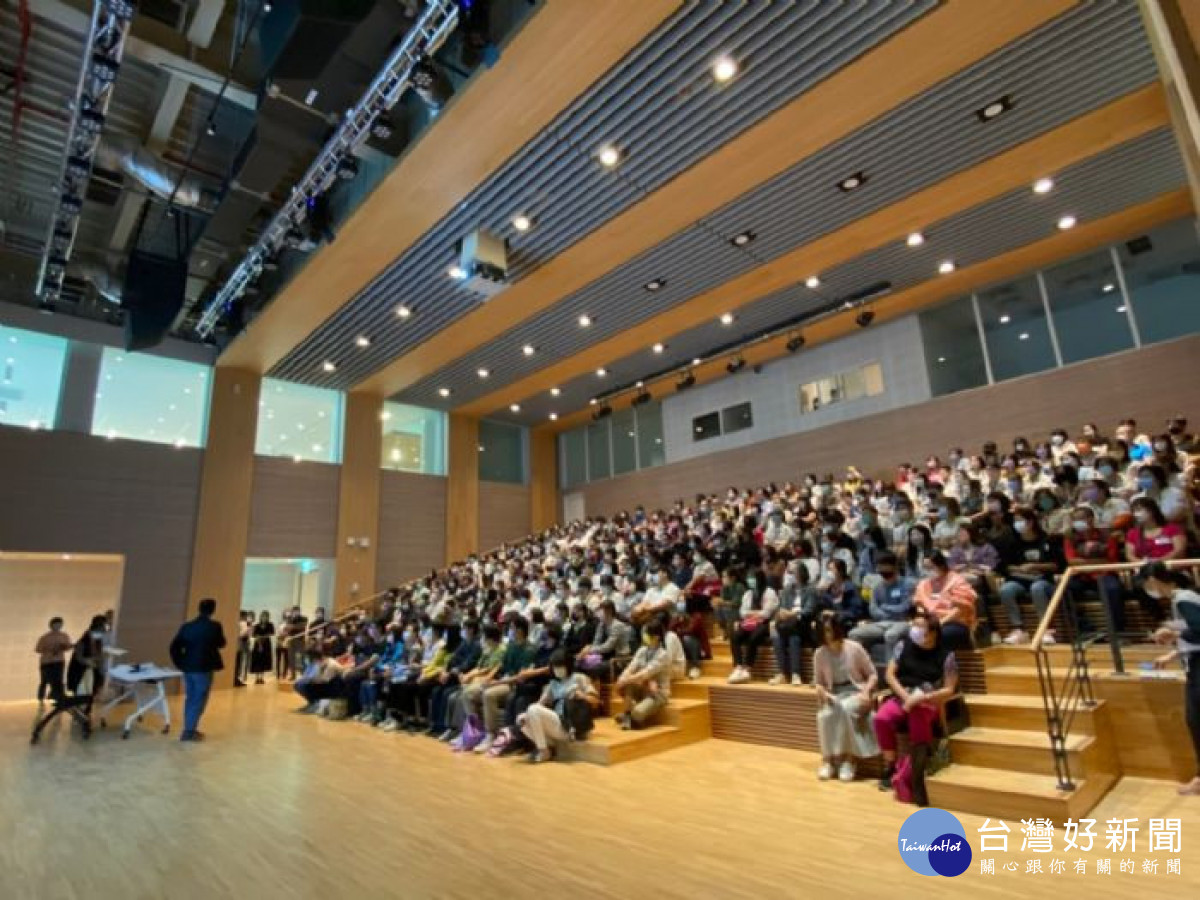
(101, 61)
(429, 33)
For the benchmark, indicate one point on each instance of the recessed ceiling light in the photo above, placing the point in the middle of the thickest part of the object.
(329, 366)
(724, 69)
(601, 372)
(362, 341)
(659, 347)
(1109, 288)
(727, 319)
(1043, 186)
(1004, 320)
(851, 182)
(946, 266)
(479, 447)
(482, 373)
(384, 416)
(403, 311)
(916, 239)
(457, 272)
(529, 350)
(553, 417)
(522, 223)
(554, 392)
(741, 240)
(585, 321)
(608, 155)
(995, 109)
(1066, 223)
(640, 384)
(1121, 308)
(941, 359)
(593, 401)
(444, 392)
(696, 361)
(812, 282)
(656, 285)
(514, 407)
(1024, 336)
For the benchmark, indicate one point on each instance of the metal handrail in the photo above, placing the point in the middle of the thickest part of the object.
(1062, 701)
(350, 612)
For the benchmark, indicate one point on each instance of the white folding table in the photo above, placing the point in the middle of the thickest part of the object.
(145, 685)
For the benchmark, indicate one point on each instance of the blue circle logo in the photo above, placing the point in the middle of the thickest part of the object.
(934, 842)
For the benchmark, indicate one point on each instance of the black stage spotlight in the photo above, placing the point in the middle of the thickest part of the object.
(864, 318)
(735, 365)
(602, 413)
(431, 84)
(795, 343)
(641, 398)
(685, 382)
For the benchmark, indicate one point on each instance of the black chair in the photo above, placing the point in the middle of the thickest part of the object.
(77, 706)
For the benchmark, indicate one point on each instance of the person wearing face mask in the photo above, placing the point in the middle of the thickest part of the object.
(1060, 444)
(458, 704)
(778, 534)
(948, 597)
(972, 556)
(437, 694)
(645, 685)
(759, 604)
(1087, 544)
(85, 670)
(842, 595)
(1185, 443)
(891, 604)
(845, 681)
(1109, 511)
(902, 521)
(1153, 537)
(923, 674)
(1154, 483)
(611, 640)
(1031, 562)
(660, 598)
(1182, 629)
(797, 600)
(556, 717)
(1055, 517)
(949, 520)
(579, 629)
(369, 692)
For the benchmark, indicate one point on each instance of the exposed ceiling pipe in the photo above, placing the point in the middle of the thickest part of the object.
(124, 154)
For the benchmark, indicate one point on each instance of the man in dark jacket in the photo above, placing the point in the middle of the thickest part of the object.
(196, 651)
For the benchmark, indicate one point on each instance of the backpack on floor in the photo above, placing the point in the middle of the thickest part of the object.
(472, 734)
(578, 718)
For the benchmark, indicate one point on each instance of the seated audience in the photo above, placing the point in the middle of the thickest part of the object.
(555, 718)
(890, 607)
(1031, 562)
(645, 685)
(759, 605)
(845, 681)
(946, 595)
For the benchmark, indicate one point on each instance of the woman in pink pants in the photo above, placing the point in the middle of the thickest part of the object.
(922, 675)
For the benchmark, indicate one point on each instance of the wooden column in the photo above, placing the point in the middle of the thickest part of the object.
(543, 479)
(223, 517)
(1174, 30)
(358, 500)
(462, 488)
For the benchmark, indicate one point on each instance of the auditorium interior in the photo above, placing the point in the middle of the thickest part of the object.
(636, 447)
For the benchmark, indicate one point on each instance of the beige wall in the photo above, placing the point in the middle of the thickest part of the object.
(504, 513)
(293, 509)
(72, 493)
(33, 589)
(412, 526)
(1150, 384)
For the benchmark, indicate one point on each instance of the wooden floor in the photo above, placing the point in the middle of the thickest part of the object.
(279, 805)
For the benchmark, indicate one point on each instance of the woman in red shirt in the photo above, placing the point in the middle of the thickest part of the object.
(1152, 538)
(1086, 544)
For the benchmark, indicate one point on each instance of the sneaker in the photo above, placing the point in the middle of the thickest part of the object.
(846, 771)
(694, 672)
(626, 723)
(739, 676)
(391, 725)
(1016, 636)
(797, 681)
(446, 736)
(484, 746)
(825, 772)
(775, 680)
(1048, 638)
(885, 780)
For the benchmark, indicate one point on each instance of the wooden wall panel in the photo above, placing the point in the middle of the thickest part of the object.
(294, 509)
(412, 527)
(543, 477)
(1150, 384)
(504, 513)
(73, 493)
(1151, 733)
(462, 489)
(358, 500)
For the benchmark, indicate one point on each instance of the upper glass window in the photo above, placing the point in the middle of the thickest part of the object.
(1014, 323)
(1089, 313)
(151, 398)
(31, 377)
(651, 451)
(865, 381)
(302, 422)
(599, 458)
(1162, 272)
(953, 354)
(624, 441)
(501, 452)
(414, 439)
(573, 446)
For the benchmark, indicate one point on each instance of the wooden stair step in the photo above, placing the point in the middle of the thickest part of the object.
(1013, 795)
(1026, 712)
(1028, 752)
(609, 744)
(1011, 737)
